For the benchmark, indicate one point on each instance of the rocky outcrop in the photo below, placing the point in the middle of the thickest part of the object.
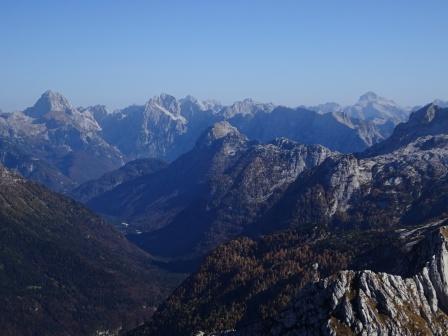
(366, 302)
(370, 303)
(246, 107)
(429, 120)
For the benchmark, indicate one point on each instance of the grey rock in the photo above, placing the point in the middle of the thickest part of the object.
(370, 303)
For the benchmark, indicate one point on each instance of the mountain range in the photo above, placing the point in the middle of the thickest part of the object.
(319, 220)
(61, 146)
(226, 183)
(208, 195)
(380, 214)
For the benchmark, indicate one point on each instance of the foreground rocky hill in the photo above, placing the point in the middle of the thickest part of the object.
(64, 271)
(367, 302)
(287, 282)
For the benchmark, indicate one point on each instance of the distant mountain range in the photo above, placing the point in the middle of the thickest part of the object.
(62, 146)
(370, 107)
(382, 112)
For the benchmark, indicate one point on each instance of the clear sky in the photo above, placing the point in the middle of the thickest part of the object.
(119, 52)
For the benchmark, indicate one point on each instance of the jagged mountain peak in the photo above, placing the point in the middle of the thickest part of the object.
(201, 105)
(95, 108)
(252, 102)
(247, 106)
(371, 97)
(368, 96)
(377, 109)
(371, 107)
(53, 95)
(165, 104)
(49, 101)
(165, 100)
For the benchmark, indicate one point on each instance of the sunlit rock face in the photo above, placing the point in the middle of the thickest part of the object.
(367, 303)
(56, 144)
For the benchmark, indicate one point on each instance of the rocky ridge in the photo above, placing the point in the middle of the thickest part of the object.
(50, 141)
(367, 302)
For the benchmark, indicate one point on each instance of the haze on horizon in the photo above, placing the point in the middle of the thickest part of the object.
(297, 52)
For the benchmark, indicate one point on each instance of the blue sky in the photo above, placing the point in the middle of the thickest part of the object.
(289, 52)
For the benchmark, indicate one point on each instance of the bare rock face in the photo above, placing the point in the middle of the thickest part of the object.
(369, 303)
(379, 191)
(429, 120)
(56, 144)
(163, 128)
(219, 131)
